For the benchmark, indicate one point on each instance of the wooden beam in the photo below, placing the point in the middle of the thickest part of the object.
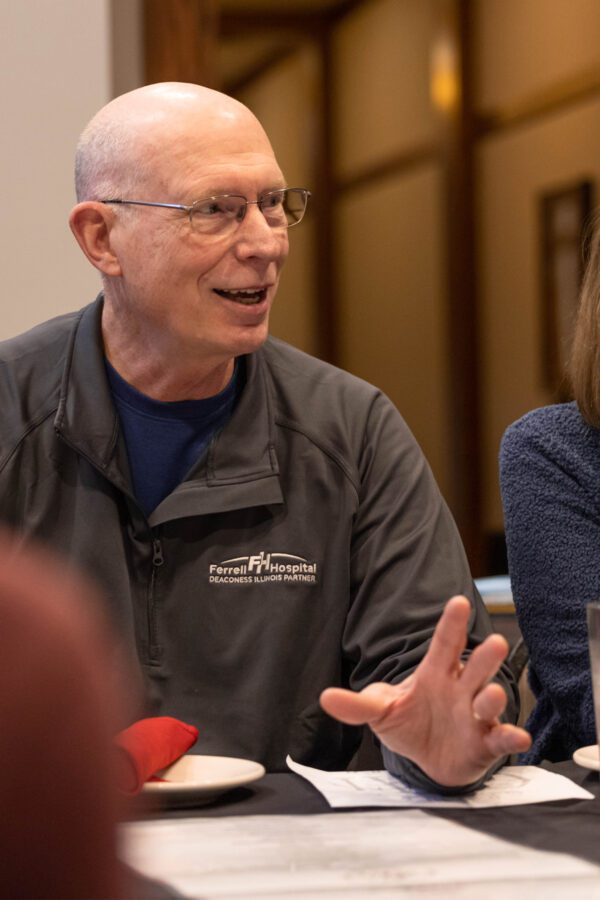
(340, 10)
(545, 103)
(309, 22)
(397, 164)
(251, 20)
(262, 67)
(323, 203)
(180, 38)
(462, 334)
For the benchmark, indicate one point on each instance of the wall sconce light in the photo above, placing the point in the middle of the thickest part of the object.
(444, 85)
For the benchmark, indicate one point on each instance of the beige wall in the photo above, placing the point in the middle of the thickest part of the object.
(127, 45)
(55, 59)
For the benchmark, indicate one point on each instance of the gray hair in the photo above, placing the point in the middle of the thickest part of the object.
(106, 162)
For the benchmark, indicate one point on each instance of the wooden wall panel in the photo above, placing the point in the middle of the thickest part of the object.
(381, 76)
(392, 302)
(514, 169)
(525, 49)
(181, 41)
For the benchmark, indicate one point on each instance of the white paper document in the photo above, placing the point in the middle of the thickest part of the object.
(511, 786)
(394, 854)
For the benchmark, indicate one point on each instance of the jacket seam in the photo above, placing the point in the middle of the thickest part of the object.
(101, 462)
(62, 396)
(241, 478)
(31, 427)
(327, 451)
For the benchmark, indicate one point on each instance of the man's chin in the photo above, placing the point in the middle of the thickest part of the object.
(251, 339)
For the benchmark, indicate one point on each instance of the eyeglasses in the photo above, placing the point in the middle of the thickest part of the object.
(220, 214)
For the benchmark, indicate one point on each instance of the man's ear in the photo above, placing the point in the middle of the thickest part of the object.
(91, 223)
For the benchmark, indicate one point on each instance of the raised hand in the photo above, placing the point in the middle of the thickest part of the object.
(443, 717)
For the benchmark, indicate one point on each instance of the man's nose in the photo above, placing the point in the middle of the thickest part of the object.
(255, 237)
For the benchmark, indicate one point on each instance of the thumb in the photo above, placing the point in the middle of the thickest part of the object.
(362, 708)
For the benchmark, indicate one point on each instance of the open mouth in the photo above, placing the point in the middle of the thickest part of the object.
(247, 296)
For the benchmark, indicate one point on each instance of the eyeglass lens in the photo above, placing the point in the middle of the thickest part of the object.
(280, 209)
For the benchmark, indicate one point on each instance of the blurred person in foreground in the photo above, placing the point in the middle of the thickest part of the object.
(550, 479)
(58, 801)
(61, 705)
(264, 525)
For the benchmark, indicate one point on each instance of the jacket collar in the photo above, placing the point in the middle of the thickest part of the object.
(240, 469)
(86, 417)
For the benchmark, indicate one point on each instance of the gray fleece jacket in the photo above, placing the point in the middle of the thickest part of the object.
(308, 547)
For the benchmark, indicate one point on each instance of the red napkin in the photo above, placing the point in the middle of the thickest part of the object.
(148, 746)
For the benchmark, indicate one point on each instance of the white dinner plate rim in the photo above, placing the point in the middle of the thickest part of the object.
(249, 771)
(588, 757)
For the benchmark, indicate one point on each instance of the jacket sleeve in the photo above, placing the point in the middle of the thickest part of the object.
(553, 533)
(414, 777)
(407, 560)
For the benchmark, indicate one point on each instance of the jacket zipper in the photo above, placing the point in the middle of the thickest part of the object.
(157, 561)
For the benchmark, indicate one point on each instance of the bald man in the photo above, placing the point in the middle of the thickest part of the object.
(272, 543)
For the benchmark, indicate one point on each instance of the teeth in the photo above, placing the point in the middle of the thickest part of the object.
(244, 295)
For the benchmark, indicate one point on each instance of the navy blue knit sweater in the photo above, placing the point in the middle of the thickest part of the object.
(550, 479)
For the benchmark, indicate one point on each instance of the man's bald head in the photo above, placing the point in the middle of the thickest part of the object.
(116, 149)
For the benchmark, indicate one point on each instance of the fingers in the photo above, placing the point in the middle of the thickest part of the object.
(490, 703)
(450, 637)
(445, 715)
(503, 740)
(483, 663)
(365, 707)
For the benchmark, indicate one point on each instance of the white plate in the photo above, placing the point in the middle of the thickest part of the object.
(588, 757)
(194, 780)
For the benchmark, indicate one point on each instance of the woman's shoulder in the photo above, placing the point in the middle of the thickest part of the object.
(561, 421)
(557, 433)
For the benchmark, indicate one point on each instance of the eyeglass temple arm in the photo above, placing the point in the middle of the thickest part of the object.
(148, 203)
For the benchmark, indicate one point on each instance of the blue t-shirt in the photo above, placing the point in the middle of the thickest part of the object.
(164, 440)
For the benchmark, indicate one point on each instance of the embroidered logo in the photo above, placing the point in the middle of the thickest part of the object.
(261, 568)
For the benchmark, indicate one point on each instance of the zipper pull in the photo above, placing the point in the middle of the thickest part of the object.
(157, 554)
